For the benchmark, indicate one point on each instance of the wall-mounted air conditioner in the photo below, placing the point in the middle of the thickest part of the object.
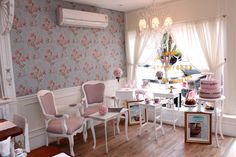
(69, 17)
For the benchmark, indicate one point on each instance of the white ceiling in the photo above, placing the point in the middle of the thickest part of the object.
(119, 5)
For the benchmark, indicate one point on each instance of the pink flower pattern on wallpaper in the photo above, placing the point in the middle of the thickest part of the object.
(74, 30)
(53, 86)
(87, 68)
(48, 25)
(104, 41)
(96, 31)
(97, 55)
(18, 24)
(113, 30)
(34, 40)
(106, 66)
(20, 59)
(48, 56)
(114, 54)
(37, 74)
(77, 81)
(22, 90)
(32, 8)
(76, 55)
(64, 70)
(62, 41)
(85, 42)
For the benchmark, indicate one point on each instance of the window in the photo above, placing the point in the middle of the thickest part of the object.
(166, 55)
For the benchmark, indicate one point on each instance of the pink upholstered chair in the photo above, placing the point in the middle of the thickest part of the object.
(60, 125)
(94, 94)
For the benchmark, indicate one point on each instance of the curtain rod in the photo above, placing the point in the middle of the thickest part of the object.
(224, 16)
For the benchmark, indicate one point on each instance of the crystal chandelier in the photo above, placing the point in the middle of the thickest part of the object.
(150, 18)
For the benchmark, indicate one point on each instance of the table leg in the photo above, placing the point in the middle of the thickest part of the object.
(216, 128)
(117, 124)
(140, 120)
(173, 113)
(178, 105)
(126, 126)
(105, 124)
(114, 127)
(93, 133)
(220, 120)
(155, 123)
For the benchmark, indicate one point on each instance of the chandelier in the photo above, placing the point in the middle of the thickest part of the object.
(150, 18)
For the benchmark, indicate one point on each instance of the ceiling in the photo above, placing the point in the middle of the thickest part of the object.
(119, 5)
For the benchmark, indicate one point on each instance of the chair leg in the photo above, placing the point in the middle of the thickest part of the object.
(71, 143)
(93, 133)
(46, 139)
(126, 126)
(85, 134)
(155, 124)
(114, 127)
(118, 124)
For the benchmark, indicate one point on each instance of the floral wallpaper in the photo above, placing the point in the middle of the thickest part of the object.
(48, 56)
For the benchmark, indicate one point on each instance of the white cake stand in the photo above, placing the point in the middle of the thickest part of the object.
(190, 107)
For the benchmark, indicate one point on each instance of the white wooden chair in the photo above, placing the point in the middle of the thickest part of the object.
(60, 125)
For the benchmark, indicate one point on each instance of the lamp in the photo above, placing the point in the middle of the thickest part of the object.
(150, 18)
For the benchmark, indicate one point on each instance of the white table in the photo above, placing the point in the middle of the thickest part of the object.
(156, 108)
(218, 111)
(166, 94)
(110, 116)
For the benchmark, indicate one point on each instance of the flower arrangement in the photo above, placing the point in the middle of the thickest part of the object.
(168, 54)
(102, 109)
(118, 73)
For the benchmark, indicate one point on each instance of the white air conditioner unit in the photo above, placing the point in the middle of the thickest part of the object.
(69, 17)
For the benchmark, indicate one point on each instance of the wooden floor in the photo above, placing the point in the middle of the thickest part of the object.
(170, 145)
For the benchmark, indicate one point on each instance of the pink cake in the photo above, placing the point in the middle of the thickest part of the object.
(209, 89)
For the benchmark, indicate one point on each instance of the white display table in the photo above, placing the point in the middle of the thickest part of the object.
(172, 96)
(218, 111)
(110, 116)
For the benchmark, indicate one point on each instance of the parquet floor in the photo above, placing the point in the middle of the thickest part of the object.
(170, 145)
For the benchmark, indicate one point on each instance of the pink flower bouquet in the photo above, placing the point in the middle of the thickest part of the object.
(102, 109)
(118, 73)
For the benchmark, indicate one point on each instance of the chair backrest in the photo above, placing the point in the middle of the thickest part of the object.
(47, 102)
(21, 122)
(93, 92)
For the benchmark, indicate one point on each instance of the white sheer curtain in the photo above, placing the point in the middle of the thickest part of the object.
(135, 50)
(202, 43)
